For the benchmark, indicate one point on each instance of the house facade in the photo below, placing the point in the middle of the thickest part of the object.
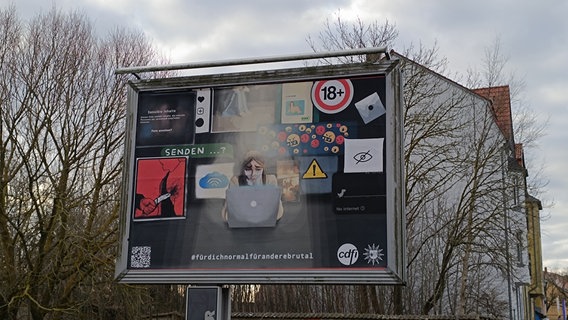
(467, 204)
(536, 289)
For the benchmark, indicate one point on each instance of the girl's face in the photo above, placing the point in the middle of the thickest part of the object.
(253, 171)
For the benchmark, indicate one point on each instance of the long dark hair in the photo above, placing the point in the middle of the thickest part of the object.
(250, 156)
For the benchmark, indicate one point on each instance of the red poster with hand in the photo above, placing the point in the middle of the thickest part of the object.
(160, 188)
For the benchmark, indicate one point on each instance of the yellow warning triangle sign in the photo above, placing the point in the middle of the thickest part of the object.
(314, 171)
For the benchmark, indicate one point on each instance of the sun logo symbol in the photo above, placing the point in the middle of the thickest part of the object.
(373, 254)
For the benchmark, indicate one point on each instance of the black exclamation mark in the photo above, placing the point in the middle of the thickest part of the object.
(314, 169)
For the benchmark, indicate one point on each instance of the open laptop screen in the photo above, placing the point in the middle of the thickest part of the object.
(252, 206)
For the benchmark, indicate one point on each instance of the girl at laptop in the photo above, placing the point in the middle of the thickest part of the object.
(252, 174)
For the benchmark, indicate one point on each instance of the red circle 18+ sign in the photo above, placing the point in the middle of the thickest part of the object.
(332, 96)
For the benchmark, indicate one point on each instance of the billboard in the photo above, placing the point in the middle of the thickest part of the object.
(277, 176)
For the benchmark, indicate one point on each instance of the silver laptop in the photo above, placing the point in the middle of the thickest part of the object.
(252, 206)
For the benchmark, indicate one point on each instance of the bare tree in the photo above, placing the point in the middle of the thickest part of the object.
(62, 117)
(338, 34)
(446, 178)
(529, 128)
(458, 182)
(454, 177)
(556, 290)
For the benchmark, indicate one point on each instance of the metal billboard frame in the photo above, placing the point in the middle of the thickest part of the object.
(393, 272)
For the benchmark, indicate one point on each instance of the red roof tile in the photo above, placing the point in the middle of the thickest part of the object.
(500, 98)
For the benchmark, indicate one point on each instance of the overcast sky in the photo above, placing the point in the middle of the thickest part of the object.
(533, 35)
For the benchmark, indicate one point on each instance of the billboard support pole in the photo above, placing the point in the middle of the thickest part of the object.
(260, 60)
(208, 303)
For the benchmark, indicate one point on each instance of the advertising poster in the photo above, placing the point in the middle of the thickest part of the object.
(160, 188)
(285, 178)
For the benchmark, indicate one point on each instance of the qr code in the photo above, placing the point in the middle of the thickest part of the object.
(140, 257)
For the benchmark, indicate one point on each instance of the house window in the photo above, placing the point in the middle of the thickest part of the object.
(516, 191)
(519, 238)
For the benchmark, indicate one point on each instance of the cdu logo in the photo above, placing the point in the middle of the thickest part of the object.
(347, 254)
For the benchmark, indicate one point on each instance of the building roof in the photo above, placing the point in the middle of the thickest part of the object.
(500, 98)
